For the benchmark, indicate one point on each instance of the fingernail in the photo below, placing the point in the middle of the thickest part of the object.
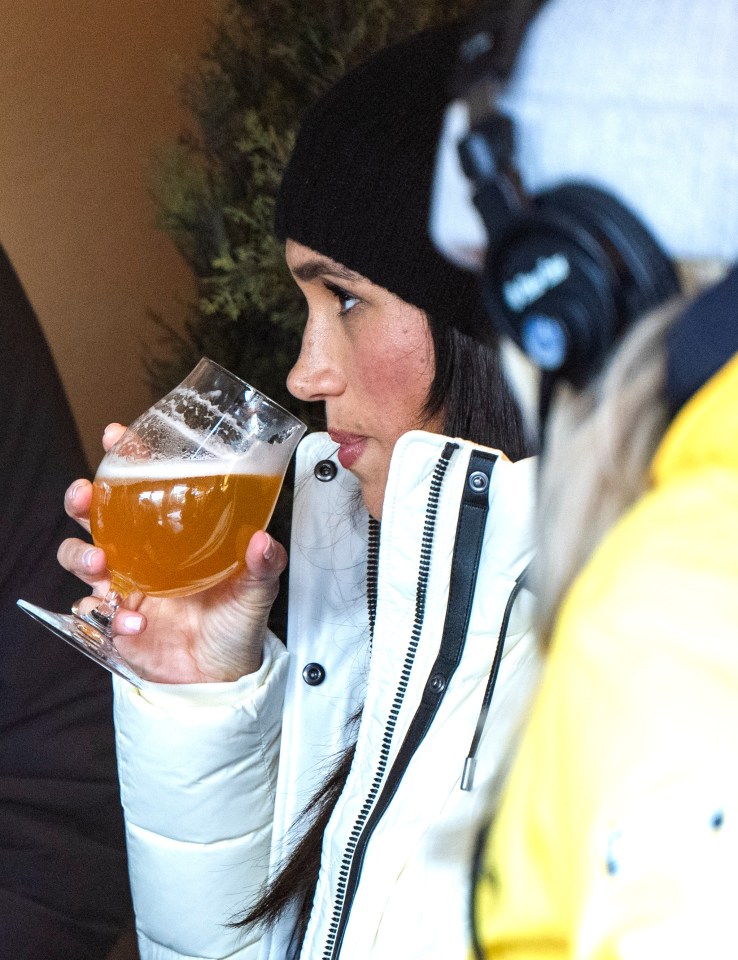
(269, 550)
(88, 556)
(74, 490)
(133, 621)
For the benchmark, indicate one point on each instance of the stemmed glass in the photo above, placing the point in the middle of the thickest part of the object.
(176, 500)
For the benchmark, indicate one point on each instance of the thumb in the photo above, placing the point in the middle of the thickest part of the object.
(265, 557)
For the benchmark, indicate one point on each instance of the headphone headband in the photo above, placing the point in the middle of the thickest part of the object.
(566, 270)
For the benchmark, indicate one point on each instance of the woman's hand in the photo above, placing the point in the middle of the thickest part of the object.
(215, 635)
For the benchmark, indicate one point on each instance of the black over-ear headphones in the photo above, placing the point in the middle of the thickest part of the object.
(566, 270)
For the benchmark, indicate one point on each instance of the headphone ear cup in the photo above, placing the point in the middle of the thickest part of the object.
(565, 279)
(548, 286)
(645, 274)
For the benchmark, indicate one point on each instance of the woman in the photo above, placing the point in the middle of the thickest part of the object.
(393, 656)
(614, 837)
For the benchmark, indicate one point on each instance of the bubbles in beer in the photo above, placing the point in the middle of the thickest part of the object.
(177, 527)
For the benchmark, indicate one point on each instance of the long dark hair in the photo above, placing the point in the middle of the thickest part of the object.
(469, 387)
(471, 390)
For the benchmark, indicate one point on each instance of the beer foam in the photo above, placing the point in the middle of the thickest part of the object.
(179, 451)
(183, 469)
(253, 418)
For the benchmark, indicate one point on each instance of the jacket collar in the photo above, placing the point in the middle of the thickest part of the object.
(704, 431)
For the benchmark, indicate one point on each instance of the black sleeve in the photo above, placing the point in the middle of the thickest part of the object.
(63, 877)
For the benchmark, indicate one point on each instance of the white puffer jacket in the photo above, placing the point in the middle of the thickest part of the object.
(207, 811)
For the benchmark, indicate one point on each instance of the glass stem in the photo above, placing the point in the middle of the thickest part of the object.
(101, 616)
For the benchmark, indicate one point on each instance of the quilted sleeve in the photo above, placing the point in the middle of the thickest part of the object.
(198, 766)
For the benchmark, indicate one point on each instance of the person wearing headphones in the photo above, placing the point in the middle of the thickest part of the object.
(605, 175)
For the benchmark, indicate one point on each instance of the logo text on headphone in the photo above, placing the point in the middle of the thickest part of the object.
(525, 288)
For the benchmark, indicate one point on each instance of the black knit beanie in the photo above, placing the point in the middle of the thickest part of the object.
(357, 187)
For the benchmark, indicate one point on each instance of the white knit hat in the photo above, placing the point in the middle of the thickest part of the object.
(638, 97)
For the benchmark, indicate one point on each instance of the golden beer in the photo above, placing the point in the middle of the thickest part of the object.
(173, 530)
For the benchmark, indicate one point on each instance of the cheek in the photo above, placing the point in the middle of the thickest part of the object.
(400, 380)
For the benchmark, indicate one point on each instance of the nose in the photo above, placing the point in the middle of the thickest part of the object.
(317, 373)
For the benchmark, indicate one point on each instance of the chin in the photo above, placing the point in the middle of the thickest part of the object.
(373, 501)
(374, 508)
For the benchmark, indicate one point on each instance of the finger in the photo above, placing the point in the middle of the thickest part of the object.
(113, 433)
(265, 557)
(77, 502)
(126, 622)
(84, 561)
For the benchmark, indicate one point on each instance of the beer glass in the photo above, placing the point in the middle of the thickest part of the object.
(176, 500)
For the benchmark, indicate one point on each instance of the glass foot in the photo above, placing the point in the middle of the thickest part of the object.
(85, 638)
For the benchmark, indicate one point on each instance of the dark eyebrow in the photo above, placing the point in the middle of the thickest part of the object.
(322, 266)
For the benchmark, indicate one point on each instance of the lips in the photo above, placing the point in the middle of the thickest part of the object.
(350, 447)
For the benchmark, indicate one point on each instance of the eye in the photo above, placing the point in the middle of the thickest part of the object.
(347, 300)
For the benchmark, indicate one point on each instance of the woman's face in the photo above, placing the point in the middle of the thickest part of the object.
(369, 357)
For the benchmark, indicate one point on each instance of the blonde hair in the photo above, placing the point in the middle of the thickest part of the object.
(599, 447)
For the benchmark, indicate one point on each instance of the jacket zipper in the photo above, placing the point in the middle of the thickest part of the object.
(431, 515)
(464, 566)
(372, 573)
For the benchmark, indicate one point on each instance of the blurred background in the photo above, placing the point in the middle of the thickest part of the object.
(89, 90)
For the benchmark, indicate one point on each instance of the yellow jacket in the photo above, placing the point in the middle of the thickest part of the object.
(617, 836)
